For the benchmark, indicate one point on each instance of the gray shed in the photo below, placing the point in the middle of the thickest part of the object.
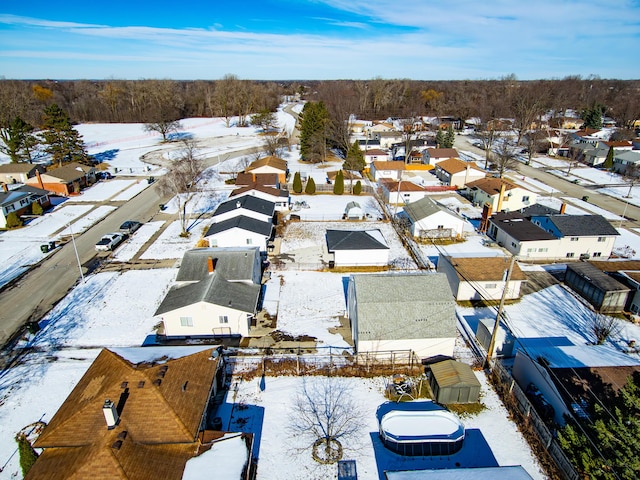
(605, 293)
(454, 382)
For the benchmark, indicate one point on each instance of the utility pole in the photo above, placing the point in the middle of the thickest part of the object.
(496, 325)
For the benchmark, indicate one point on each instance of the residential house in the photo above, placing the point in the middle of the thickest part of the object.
(458, 173)
(140, 413)
(388, 139)
(218, 296)
(428, 219)
(67, 180)
(580, 236)
(521, 237)
(20, 201)
(381, 127)
(247, 205)
(261, 179)
(604, 292)
(358, 247)
(240, 231)
(627, 162)
(401, 193)
(396, 312)
(416, 148)
(391, 170)
(502, 195)
(375, 155)
(432, 156)
(279, 197)
(19, 172)
(482, 278)
(270, 164)
(369, 144)
(570, 377)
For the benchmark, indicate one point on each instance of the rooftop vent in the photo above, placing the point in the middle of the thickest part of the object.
(184, 386)
(124, 384)
(110, 414)
(157, 382)
(141, 384)
(116, 445)
(122, 435)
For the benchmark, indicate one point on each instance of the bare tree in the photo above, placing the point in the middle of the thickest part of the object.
(488, 136)
(164, 128)
(603, 326)
(185, 179)
(631, 176)
(505, 157)
(326, 413)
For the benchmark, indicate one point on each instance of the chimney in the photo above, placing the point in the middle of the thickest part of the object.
(39, 179)
(486, 214)
(210, 264)
(238, 204)
(563, 207)
(503, 187)
(110, 414)
(5, 189)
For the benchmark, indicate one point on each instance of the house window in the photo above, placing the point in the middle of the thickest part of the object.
(531, 250)
(213, 242)
(514, 244)
(249, 241)
(186, 321)
(596, 254)
(223, 319)
(440, 227)
(490, 285)
(543, 249)
(602, 239)
(570, 255)
(574, 239)
(525, 198)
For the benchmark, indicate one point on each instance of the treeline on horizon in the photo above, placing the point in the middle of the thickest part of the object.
(147, 100)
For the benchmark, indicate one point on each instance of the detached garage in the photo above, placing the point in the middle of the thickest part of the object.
(454, 382)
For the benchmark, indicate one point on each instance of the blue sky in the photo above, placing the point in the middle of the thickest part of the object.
(320, 39)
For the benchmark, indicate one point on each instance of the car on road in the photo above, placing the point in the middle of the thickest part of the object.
(109, 242)
(130, 226)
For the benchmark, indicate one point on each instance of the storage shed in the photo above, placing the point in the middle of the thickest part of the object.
(353, 211)
(605, 293)
(454, 382)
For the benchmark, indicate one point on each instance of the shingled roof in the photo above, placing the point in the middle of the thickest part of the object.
(480, 269)
(161, 402)
(242, 222)
(355, 240)
(518, 227)
(582, 225)
(248, 202)
(271, 161)
(233, 263)
(423, 208)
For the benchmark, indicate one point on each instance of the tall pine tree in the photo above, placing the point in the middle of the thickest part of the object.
(313, 132)
(297, 183)
(449, 138)
(440, 138)
(338, 183)
(608, 162)
(60, 139)
(354, 160)
(17, 140)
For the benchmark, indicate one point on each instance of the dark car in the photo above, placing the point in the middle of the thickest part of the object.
(130, 226)
(104, 175)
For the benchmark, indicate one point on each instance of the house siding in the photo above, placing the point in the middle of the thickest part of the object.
(236, 237)
(205, 317)
(377, 257)
(441, 218)
(423, 348)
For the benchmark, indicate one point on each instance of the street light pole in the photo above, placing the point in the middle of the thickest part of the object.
(75, 249)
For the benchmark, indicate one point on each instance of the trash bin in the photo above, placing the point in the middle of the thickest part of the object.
(44, 248)
(216, 424)
(332, 263)
(162, 207)
(52, 245)
(585, 198)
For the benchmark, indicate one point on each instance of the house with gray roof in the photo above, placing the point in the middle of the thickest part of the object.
(216, 293)
(248, 206)
(624, 161)
(429, 219)
(400, 312)
(553, 237)
(20, 200)
(19, 172)
(240, 231)
(358, 247)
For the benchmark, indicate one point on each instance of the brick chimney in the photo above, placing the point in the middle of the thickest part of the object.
(5, 189)
(39, 179)
(211, 265)
(563, 207)
(486, 214)
(503, 187)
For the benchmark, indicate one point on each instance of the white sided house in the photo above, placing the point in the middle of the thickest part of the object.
(429, 219)
(481, 278)
(279, 197)
(400, 312)
(502, 195)
(240, 231)
(248, 206)
(401, 193)
(458, 173)
(393, 170)
(216, 293)
(358, 247)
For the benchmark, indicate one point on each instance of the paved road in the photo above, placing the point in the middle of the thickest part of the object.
(569, 189)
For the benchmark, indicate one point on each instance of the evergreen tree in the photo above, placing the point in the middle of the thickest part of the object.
(28, 455)
(313, 132)
(17, 140)
(608, 162)
(357, 189)
(36, 209)
(354, 160)
(449, 138)
(338, 184)
(61, 140)
(13, 220)
(592, 116)
(297, 183)
(440, 139)
(310, 189)
(612, 448)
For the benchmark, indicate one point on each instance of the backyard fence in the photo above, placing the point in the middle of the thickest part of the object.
(328, 361)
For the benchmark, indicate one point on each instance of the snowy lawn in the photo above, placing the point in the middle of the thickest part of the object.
(132, 246)
(326, 207)
(170, 244)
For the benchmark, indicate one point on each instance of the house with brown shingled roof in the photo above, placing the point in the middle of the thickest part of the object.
(270, 164)
(458, 173)
(432, 156)
(481, 278)
(401, 193)
(387, 170)
(67, 180)
(503, 195)
(137, 413)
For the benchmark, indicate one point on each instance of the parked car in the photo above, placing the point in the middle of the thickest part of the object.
(130, 226)
(104, 175)
(109, 242)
